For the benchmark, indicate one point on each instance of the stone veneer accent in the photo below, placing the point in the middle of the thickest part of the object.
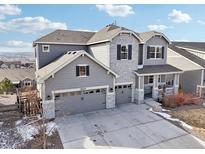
(110, 100)
(139, 96)
(48, 109)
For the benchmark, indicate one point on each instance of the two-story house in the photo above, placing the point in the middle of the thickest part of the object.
(81, 71)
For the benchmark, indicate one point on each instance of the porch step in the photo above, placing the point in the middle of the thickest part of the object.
(151, 102)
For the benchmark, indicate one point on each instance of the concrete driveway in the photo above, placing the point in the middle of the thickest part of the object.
(127, 126)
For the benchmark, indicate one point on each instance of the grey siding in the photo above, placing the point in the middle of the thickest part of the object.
(101, 52)
(189, 80)
(66, 77)
(124, 68)
(155, 41)
(55, 52)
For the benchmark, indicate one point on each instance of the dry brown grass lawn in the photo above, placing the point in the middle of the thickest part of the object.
(193, 117)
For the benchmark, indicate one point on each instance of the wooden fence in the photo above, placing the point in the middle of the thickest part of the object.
(28, 103)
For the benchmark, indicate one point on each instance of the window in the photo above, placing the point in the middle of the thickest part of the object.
(155, 52)
(45, 48)
(124, 52)
(82, 70)
(161, 78)
(148, 79)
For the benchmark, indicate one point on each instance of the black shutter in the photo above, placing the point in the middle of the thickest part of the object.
(148, 52)
(129, 52)
(87, 70)
(77, 70)
(162, 52)
(118, 52)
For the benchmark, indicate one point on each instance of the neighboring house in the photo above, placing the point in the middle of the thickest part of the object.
(84, 71)
(20, 78)
(189, 57)
(10, 64)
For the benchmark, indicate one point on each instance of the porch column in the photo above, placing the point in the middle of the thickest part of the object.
(176, 83)
(155, 90)
(139, 91)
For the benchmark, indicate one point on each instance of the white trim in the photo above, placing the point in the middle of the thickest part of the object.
(163, 73)
(185, 58)
(156, 46)
(37, 57)
(123, 83)
(79, 89)
(202, 77)
(45, 46)
(129, 32)
(97, 42)
(82, 65)
(62, 43)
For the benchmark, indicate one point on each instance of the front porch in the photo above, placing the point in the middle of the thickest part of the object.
(161, 80)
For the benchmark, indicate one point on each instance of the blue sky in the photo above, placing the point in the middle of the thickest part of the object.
(22, 24)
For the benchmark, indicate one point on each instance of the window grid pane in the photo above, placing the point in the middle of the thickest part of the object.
(82, 71)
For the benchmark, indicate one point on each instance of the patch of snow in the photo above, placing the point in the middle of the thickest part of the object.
(169, 117)
(50, 128)
(165, 110)
(27, 131)
(1, 123)
(18, 122)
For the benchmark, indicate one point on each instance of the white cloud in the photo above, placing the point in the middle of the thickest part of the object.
(157, 27)
(9, 10)
(31, 25)
(85, 30)
(178, 16)
(201, 22)
(16, 46)
(116, 10)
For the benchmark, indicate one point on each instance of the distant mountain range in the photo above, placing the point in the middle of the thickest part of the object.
(9, 56)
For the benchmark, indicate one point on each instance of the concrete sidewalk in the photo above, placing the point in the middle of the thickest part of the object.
(128, 126)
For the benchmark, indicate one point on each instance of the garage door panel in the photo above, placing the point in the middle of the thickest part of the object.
(85, 102)
(123, 94)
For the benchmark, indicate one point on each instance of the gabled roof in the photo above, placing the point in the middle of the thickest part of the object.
(188, 55)
(157, 69)
(108, 32)
(148, 35)
(84, 37)
(17, 74)
(66, 37)
(191, 45)
(50, 69)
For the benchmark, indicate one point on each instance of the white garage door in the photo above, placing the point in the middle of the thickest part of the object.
(123, 94)
(79, 102)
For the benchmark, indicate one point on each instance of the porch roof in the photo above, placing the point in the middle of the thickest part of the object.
(157, 69)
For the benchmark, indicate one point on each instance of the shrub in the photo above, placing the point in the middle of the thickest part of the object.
(180, 99)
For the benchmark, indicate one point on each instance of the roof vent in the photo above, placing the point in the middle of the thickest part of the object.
(74, 52)
(69, 53)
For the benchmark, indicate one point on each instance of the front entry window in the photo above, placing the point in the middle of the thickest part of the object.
(148, 79)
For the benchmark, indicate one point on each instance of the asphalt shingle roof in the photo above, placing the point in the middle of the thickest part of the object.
(153, 69)
(17, 74)
(188, 55)
(67, 36)
(192, 45)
